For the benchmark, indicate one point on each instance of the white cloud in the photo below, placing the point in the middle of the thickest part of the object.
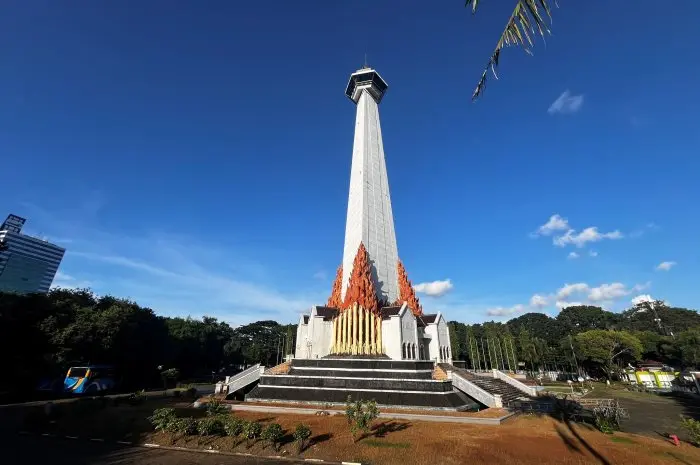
(587, 235)
(569, 289)
(555, 223)
(593, 253)
(560, 304)
(434, 288)
(606, 292)
(538, 301)
(571, 295)
(573, 255)
(66, 281)
(503, 311)
(642, 298)
(665, 266)
(566, 104)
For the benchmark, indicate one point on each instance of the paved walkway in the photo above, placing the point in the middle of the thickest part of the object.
(399, 416)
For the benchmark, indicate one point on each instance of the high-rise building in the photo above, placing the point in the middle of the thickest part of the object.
(27, 264)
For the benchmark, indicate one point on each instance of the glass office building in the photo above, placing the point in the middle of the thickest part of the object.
(27, 264)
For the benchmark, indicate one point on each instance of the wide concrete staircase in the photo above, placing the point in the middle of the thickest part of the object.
(391, 383)
(508, 393)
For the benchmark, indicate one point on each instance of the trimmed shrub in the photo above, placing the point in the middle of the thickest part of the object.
(693, 429)
(234, 426)
(360, 415)
(273, 434)
(185, 426)
(215, 407)
(210, 426)
(252, 431)
(302, 433)
(162, 418)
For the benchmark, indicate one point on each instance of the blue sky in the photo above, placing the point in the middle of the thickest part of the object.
(195, 156)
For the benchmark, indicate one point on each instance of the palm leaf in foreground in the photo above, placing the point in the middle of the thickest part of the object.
(524, 22)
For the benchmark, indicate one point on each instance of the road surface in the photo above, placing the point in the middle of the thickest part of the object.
(59, 451)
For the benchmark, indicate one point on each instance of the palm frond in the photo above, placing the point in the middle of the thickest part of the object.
(525, 21)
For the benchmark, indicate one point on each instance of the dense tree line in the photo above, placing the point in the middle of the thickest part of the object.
(41, 336)
(585, 337)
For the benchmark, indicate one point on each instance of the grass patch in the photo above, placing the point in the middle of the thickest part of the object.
(391, 445)
(622, 440)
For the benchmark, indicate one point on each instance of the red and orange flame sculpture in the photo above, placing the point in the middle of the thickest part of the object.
(334, 300)
(407, 293)
(361, 289)
(357, 330)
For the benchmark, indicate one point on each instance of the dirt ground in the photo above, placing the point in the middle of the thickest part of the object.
(522, 440)
(651, 414)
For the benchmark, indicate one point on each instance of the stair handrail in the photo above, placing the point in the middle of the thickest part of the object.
(463, 384)
(254, 372)
(529, 390)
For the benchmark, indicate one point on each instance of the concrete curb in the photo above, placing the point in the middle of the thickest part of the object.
(150, 445)
(400, 416)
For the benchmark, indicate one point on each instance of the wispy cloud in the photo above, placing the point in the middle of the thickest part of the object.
(321, 275)
(606, 294)
(573, 256)
(649, 227)
(557, 223)
(665, 266)
(506, 311)
(434, 288)
(180, 275)
(66, 281)
(566, 103)
(587, 235)
(554, 224)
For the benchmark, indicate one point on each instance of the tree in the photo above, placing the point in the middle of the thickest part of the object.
(606, 350)
(579, 318)
(525, 20)
(689, 346)
(660, 318)
(538, 325)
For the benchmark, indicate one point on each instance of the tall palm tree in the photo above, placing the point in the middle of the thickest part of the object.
(525, 21)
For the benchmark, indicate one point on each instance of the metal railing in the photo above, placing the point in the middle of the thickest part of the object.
(244, 378)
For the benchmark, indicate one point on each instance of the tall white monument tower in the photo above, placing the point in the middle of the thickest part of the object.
(370, 219)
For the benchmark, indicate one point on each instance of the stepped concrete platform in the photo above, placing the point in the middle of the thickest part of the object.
(391, 383)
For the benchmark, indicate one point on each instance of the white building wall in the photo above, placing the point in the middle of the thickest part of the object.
(302, 334)
(322, 335)
(369, 218)
(434, 345)
(391, 337)
(444, 338)
(409, 335)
